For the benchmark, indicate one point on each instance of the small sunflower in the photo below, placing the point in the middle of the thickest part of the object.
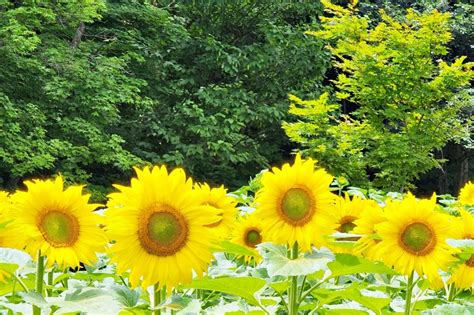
(59, 223)
(365, 225)
(466, 194)
(345, 214)
(414, 237)
(226, 206)
(160, 228)
(248, 233)
(463, 276)
(294, 204)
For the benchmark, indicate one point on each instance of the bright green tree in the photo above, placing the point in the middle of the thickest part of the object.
(404, 98)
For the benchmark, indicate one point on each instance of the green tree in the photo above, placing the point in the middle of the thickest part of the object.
(404, 97)
(218, 74)
(59, 97)
(91, 88)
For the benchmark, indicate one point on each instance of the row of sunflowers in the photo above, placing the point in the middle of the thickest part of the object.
(163, 232)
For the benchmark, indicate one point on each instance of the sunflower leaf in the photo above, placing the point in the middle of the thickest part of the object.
(346, 264)
(278, 264)
(235, 249)
(245, 287)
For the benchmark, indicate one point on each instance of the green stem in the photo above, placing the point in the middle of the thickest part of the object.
(409, 294)
(39, 281)
(301, 289)
(23, 285)
(49, 291)
(156, 299)
(451, 292)
(293, 294)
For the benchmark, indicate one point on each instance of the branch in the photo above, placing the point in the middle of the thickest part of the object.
(78, 36)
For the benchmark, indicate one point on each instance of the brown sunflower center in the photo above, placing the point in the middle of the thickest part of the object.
(162, 231)
(470, 262)
(297, 206)
(252, 237)
(418, 239)
(59, 229)
(346, 225)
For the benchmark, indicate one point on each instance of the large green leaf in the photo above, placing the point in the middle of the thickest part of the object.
(346, 264)
(128, 298)
(245, 287)
(235, 249)
(278, 264)
(373, 300)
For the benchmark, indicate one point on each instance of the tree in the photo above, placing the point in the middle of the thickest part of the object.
(405, 101)
(59, 97)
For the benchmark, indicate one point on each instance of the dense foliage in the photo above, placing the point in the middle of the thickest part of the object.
(405, 103)
(116, 84)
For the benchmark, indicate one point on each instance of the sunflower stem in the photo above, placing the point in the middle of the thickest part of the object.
(156, 299)
(409, 294)
(39, 281)
(49, 291)
(451, 292)
(293, 294)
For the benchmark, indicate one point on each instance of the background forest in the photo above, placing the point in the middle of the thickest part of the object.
(91, 88)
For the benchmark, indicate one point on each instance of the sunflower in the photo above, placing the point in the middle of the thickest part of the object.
(294, 204)
(3, 197)
(414, 237)
(160, 228)
(345, 214)
(58, 223)
(365, 225)
(248, 233)
(466, 194)
(217, 198)
(463, 276)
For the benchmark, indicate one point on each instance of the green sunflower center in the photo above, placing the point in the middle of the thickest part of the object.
(418, 239)
(253, 237)
(58, 228)
(164, 228)
(297, 206)
(162, 231)
(346, 225)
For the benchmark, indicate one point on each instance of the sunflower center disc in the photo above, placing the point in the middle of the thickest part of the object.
(163, 232)
(253, 238)
(470, 262)
(164, 228)
(346, 225)
(297, 206)
(59, 229)
(418, 239)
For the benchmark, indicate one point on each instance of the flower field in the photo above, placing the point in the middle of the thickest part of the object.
(236, 157)
(295, 241)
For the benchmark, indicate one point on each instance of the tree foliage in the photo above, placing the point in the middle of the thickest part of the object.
(92, 88)
(404, 98)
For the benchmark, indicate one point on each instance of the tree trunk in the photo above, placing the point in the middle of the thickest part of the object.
(78, 36)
